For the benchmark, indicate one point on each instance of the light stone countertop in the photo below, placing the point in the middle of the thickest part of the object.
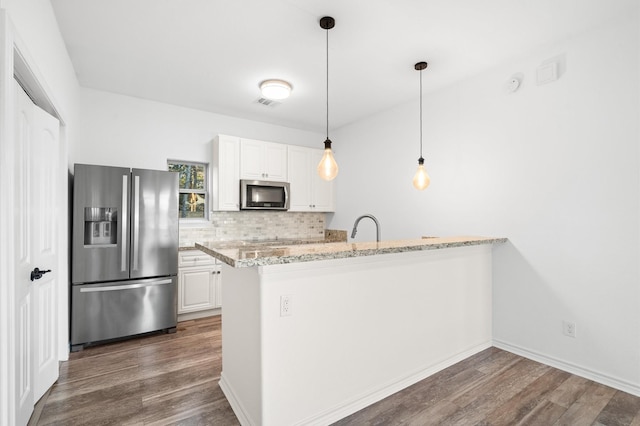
(241, 254)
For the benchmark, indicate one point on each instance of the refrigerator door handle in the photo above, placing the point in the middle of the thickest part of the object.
(123, 221)
(124, 287)
(136, 221)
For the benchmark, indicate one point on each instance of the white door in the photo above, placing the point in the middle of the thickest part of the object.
(35, 216)
(45, 246)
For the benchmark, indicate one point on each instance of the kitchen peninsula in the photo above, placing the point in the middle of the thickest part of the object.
(314, 332)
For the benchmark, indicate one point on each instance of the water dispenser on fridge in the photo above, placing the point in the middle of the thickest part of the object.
(100, 226)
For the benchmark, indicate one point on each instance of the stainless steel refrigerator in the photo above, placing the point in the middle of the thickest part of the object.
(124, 253)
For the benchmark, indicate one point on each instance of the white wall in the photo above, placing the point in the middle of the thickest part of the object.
(37, 28)
(552, 167)
(126, 131)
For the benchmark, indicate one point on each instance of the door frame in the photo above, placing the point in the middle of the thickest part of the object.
(16, 60)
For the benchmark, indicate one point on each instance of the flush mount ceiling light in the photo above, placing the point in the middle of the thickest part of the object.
(421, 180)
(275, 89)
(327, 168)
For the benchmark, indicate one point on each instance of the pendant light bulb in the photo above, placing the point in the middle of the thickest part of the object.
(421, 179)
(327, 168)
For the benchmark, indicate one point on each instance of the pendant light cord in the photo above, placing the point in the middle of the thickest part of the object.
(420, 113)
(327, 83)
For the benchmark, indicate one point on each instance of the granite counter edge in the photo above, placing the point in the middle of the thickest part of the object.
(341, 254)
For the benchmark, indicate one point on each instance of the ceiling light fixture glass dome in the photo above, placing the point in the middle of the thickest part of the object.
(275, 89)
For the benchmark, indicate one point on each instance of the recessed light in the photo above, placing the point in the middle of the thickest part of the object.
(275, 89)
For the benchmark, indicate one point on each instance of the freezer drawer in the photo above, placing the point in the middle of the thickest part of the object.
(124, 308)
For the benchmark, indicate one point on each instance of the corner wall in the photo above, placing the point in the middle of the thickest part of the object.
(554, 167)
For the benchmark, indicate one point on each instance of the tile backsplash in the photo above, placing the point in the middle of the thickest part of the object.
(260, 225)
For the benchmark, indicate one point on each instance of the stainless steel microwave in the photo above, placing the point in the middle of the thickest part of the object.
(264, 195)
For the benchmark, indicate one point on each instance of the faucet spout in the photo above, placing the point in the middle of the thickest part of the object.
(370, 216)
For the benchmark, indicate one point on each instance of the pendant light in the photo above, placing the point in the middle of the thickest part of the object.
(421, 179)
(327, 168)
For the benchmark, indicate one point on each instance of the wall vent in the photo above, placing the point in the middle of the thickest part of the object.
(267, 102)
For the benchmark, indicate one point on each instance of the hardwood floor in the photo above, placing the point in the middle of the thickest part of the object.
(495, 387)
(173, 379)
(155, 380)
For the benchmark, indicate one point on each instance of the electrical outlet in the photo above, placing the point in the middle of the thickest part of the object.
(286, 302)
(569, 328)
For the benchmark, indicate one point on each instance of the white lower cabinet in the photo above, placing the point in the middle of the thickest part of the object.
(199, 285)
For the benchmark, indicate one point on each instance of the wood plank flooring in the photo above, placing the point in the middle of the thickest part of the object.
(155, 380)
(172, 379)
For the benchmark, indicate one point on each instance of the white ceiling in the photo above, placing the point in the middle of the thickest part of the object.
(212, 54)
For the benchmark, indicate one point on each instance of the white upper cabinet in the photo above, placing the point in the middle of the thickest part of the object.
(226, 173)
(261, 160)
(309, 193)
(300, 179)
(237, 158)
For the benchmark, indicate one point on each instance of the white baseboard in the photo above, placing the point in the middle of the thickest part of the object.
(236, 405)
(596, 376)
(374, 395)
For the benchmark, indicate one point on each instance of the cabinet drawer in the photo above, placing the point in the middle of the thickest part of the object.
(190, 258)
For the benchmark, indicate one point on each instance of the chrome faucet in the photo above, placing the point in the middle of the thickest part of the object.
(370, 216)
